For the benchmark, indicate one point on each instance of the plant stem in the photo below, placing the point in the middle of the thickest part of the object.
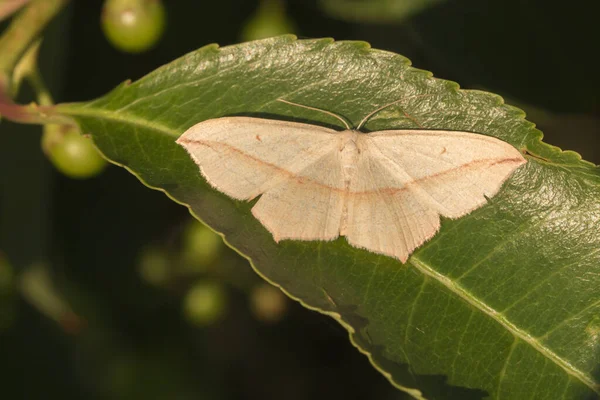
(44, 98)
(8, 7)
(24, 29)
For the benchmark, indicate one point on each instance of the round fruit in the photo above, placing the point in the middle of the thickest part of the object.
(71, 153)
(268, 303)
(133, 26)
(205, 303)
(201, 246)
(155, 265)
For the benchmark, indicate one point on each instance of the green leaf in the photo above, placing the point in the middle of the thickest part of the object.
(502, 303)
(374, 11)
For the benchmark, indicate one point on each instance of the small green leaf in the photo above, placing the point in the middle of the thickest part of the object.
(502, 303)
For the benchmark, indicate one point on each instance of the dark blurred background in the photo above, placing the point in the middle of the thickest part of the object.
(106, 295)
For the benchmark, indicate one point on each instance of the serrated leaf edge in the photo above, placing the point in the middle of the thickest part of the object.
(417, 264)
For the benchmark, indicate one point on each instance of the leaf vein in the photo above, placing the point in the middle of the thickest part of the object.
(459, 291)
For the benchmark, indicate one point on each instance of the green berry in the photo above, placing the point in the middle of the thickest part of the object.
(268, 303)
(205, 303)
(201, 246)
(133, 26)
(71, 153)
(269, 20)
(155, 265)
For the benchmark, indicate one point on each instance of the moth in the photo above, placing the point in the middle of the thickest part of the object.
(383, 191)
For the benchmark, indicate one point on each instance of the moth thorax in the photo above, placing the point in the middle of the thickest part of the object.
(349, 155)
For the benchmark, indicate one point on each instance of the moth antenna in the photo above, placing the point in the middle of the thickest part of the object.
(340, 118)
(369, 115)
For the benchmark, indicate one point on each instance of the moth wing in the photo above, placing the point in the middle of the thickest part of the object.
(406, 179)
(295, 167)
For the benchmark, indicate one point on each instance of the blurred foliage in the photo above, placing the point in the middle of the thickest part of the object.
(8, 7)
(7, 289)
(376, 11)
(6, 276)
(136, 342)
(269, 20)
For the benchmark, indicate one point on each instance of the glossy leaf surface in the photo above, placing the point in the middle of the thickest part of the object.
(503, 302)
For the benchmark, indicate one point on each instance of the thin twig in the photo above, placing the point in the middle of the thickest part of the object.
(23, 30)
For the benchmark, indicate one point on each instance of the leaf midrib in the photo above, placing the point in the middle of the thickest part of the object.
(120, 117)
(459, 291)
